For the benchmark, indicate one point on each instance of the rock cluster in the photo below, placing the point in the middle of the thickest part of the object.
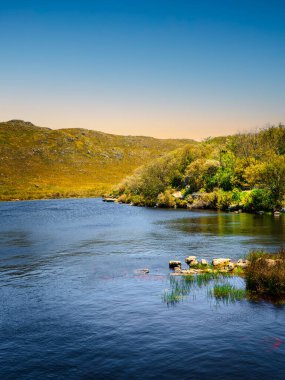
(218, 264)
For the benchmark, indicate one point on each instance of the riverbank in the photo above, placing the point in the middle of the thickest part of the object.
(219, 200)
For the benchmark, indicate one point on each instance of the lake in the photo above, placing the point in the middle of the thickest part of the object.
(73, 305)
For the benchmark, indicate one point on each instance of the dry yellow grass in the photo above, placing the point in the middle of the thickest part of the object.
(44, 163)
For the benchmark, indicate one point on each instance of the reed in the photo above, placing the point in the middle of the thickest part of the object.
(228, 293)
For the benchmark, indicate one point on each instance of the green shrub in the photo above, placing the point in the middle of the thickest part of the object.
(258, 199)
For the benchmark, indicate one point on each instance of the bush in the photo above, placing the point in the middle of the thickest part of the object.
(265, 274)
(224, 199)
(166, 199)
(258, 199)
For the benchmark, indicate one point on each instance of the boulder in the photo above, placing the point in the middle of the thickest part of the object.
(189, 259)
(242, 263)
(174, 263)
(204, 262)
(177, 194)
(193, 263)
(220, 262)
(230, 266)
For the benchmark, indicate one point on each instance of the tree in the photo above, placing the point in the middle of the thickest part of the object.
(270, 175)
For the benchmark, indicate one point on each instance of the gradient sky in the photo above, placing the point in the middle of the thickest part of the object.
(155, 67)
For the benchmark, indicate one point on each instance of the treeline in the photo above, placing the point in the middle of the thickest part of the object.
(244, 171)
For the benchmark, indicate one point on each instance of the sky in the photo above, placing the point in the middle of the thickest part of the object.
(162, 68)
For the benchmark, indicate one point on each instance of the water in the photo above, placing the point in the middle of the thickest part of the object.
(73, 305)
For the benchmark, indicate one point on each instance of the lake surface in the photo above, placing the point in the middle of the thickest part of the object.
(74, 307)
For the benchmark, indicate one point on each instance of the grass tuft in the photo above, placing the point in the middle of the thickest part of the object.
(228, 293)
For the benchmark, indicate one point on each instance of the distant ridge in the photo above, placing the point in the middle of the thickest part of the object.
(37, 162)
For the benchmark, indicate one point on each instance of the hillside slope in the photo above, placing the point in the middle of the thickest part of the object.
(39, 162)
(240, 172)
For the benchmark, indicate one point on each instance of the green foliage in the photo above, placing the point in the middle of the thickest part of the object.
(201, 173)
(228, 293)
(245, 171)
(217, 173)
(269, 175)
(258, 199)
(182, 286)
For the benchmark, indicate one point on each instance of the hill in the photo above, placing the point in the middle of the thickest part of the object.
(40, 162)
(239, 172)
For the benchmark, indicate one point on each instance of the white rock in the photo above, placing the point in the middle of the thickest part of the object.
(177, 194)
(193, 263)
(220, 262)
(189, 259)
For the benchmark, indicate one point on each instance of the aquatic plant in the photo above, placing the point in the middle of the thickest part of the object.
(178, 289)
(228, 293)
(204, 278)
(181, 286)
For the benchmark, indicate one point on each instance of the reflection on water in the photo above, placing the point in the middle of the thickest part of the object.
(73, 304)
(221, 224)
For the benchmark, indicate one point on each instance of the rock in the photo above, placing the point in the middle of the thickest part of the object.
(177, 194)
(231, 266)
(189, 259)
(177, 269)
(242, 263)
(193, 263)
(260, 212)
(108, 199)
(220, 262)
(173, 264)
(276, 213)
(143, 271)
(204, 262)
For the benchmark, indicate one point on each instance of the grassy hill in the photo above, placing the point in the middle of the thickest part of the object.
(240, 172)
(40, 162)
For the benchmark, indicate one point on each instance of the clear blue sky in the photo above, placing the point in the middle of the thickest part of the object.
(161, 68)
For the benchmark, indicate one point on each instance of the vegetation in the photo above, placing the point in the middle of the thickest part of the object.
(264, 278)
(178, 289)
(228, 293)
(265, 275)
(181, 286)
(44, 163)
(244, 171)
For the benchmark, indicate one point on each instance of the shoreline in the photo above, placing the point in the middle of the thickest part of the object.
(114, 200)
